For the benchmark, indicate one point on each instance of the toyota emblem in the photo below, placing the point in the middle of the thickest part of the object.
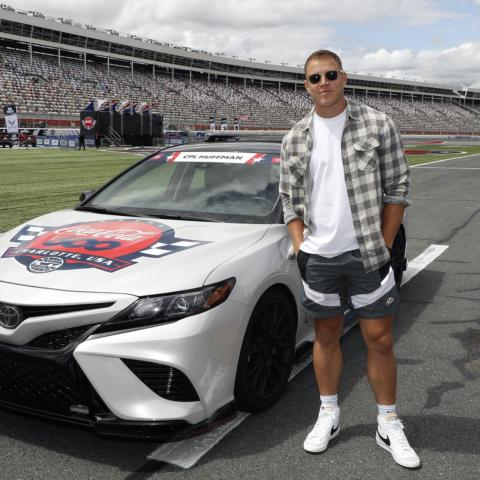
(10, 316)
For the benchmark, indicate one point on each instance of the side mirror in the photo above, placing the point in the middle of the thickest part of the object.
(86, 195)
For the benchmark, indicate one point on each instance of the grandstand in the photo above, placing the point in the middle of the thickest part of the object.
(51, 68)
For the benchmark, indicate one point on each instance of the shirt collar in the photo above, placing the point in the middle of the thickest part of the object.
(352, 111)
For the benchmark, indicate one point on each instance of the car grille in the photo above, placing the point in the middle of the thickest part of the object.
(165, 381)
(48, 383)
(40, 310)
(38, 383)
(59, 339)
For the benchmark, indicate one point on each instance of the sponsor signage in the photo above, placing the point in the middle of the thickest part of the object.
(11, 119)
(109, 245)
(217, 157)
(212, 123)
(88, 122)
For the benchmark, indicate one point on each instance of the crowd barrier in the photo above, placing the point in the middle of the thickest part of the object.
(62, 141)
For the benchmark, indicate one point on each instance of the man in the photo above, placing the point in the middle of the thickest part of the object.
(344, 183)
(81, 141)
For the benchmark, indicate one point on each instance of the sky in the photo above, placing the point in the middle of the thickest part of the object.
(425, 40)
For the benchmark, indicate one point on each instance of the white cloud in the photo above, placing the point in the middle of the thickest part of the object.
(459, 64)
(288, 31)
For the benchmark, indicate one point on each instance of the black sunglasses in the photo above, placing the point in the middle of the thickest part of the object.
(331, 76)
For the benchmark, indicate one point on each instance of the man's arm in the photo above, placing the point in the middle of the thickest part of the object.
(394, 168)
(392, 217)
(295, 230)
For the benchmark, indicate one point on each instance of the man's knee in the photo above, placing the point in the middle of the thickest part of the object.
(328, 331)
(380, 341)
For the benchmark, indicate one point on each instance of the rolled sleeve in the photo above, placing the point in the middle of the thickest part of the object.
(284, 187)
(394, 167)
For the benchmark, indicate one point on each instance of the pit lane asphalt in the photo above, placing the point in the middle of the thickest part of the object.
(437, 342)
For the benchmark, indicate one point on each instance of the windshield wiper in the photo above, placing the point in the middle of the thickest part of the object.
(109, 211)
(169, 216)
(185, 217)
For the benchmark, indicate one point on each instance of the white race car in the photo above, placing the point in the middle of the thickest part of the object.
(161, 300)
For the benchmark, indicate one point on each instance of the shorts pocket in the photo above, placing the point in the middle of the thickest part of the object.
(302, 260)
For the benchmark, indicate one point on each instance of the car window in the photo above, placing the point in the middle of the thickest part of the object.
(226, 191)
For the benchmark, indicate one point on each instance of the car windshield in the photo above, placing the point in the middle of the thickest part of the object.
(209, 186)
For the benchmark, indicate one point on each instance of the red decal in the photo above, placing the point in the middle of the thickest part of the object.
(106, 239)
(173, 156)
(257, 157)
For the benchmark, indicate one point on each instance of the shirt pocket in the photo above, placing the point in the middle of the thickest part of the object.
(366, 154)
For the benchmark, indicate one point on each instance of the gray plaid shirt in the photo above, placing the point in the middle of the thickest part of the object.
(376, 173)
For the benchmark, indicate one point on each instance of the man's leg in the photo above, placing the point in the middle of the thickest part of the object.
(381, 364)
(321, 279)
(382, 375)
(327, 355)
(327, 364)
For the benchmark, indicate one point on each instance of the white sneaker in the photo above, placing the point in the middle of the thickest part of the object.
(326, 428)
(390, 436)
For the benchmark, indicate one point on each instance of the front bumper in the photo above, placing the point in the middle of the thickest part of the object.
(163, 382)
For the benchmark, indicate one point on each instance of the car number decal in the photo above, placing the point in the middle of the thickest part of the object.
(107, 245)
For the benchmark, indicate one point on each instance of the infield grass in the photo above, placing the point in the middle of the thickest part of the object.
(38, 181)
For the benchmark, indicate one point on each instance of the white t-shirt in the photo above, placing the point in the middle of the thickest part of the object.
(332, 230)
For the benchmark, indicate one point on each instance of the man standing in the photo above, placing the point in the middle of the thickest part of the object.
(344, 183)
(81, 141)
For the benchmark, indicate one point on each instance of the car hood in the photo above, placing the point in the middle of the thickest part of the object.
(89, 252)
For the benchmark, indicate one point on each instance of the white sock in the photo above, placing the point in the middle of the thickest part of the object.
(386, 409)
(329, 401)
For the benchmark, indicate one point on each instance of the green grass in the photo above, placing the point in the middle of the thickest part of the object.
(419, 158)
(37, 181)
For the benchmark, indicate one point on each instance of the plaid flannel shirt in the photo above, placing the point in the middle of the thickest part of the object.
(376, 173)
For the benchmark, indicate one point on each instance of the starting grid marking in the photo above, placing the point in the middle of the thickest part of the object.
(186, 453)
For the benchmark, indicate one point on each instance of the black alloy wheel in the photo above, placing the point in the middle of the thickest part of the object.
(267, 353)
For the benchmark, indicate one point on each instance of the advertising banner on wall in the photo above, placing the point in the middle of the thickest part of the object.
(11, 119)
(88, 123)
(212, 122)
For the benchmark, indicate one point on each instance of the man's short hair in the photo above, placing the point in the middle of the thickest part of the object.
(323, 53)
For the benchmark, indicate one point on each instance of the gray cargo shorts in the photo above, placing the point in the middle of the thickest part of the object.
(330, 285)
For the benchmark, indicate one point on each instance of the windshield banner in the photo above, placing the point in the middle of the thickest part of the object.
(217, 157)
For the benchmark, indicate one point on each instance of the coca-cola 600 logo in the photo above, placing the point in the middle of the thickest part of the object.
(105, 245)
(89, 122)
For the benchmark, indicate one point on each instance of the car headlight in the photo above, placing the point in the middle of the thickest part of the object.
(152, 311)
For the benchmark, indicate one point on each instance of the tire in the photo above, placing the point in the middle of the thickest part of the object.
(267, 353)
(398, 260)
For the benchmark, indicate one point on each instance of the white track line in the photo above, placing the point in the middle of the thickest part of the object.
(420, 262)
(186, 453)
(419, 165)
(449, 168)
